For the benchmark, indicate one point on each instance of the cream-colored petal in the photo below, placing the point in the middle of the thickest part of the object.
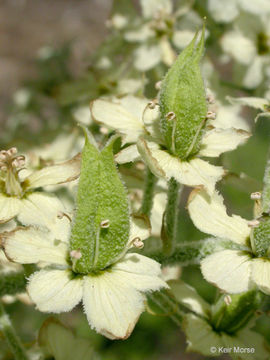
(168, 55)
(200, 335)
(29, 245)
(9, 207)
(228, 116)
(240, 47)
(260, 274)
(150, 8)
(188, 296)
(209, 215)
(56, 174)
(182, 38)
(112, 308)
(147, 57)
(117, 117)
(159, 205)
(229, 270)
(218, 141)
(39, 209)
(128, 154)
(55, 290)
(223, 11)
(260, 7)
(195, 172)
(139, 35)
(140, 227)
(254, 74)
(254, 102)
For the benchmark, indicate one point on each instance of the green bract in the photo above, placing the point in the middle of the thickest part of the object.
(260, 237)
(232, 316)
(101, 228)
(183, 104)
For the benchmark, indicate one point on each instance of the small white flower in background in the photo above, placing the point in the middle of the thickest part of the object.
(113, 298)
(248, 44)
(227, 11)
(202, 335)
(22, 97)
(233, 271)
(18, 195)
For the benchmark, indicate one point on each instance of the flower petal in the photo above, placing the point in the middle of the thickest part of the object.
(142, 272)
(254, 74)
(28, 246)
(209, 215)
(240, 47)
(55, 290)
(195, 172)
(147, 57)
(128, 154)
(254, 102)
(260, 274)
(218, 141)
(140, 227)
(119, 115)
(229, 270)
(112, 308)
(56, 174)
(223, 11)
(9, 208)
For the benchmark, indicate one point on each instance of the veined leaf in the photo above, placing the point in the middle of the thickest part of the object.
(101, 228)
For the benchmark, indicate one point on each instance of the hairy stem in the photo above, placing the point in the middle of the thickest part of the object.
(171, 219)
(10, 336)
(266, 187)
(148, 194)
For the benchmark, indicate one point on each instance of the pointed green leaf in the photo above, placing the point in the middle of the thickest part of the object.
(266, 188)
(183, 104)
(101, 228)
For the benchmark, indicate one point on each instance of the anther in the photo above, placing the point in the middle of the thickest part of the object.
(170, 116)
(12, 151)
(105, 224)
(61, 214)
(152, 104)
(253, 223)
(211, 115)
(227, 299)
(76, 254)
(255, 196)
(210, 99)
(138, 243)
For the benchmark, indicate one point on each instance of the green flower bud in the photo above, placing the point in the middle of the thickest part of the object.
(183, 103)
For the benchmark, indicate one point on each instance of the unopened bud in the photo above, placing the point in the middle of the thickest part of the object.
(211, 115)
(105, 224)
(255, 196)
(227, 299)
(76, 254)
(253, 223)
(170, 116)
(138, 243)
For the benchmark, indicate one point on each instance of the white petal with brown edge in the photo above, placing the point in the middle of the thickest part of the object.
(209, 215)
(229, 270)
(54, 290)
(128, 154)
(218, 141)
(195, 172)
(31, 246)
(9, 207)
(56, 174)
(260, 274)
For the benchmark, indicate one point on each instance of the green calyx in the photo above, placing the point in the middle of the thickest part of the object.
(100, 231)
(232, 312)
(260, 237)
(183, 105)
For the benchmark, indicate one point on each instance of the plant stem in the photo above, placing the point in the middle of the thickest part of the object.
(266, 187)
(10, 336)
(12, 283)
(170, 227)
(148, 194)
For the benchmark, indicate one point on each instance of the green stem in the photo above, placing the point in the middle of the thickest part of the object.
(10, 336)
(12, 283)
(169, 231)
(266, 187)
(191, 253)
(148, 194)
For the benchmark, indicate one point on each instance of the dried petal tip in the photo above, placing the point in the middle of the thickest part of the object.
(138, 243)
(253, 223)
(210, 99)
(152, 104)
(255, 196)
(211, 115)
(170, 116)
(105, 224)
(76, 254)
(227, 300)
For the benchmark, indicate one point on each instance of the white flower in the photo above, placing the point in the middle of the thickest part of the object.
(233, 271)
(18, 195)
(134, 119)
(113, 298)
(254, 102)
(202, 335)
